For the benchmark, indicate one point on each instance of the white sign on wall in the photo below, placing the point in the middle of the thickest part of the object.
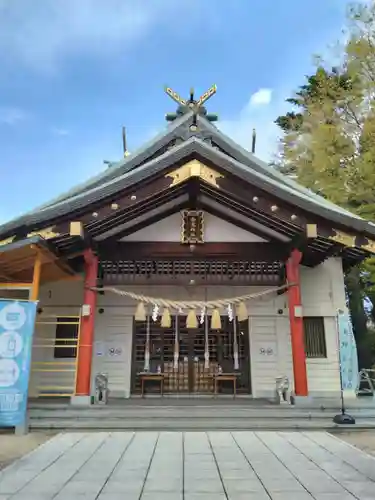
(99, 348)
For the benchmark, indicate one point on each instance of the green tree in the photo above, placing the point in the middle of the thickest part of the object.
(317, 146)
(329, 145)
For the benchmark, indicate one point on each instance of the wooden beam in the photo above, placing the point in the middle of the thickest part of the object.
(111, 206)
(34, 294)
(127, 215)
(194, 190)
(191, 279)
(257, 199)
(266, 252)
(274, 207)
(13, 285)
(274, 223)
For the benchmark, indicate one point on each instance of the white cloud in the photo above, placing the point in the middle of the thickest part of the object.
(60, 131)
(11, 115)
(41, 33)
(258, 114)
(261, 97)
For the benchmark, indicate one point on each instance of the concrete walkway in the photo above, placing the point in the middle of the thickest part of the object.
(191, 466)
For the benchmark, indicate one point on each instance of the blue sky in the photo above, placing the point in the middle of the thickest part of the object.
(74, 71)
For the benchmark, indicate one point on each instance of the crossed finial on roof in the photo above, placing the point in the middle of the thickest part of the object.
(191, 104)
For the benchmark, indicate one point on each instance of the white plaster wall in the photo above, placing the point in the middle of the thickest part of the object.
(63, 298)
(323, 294)
(113, 349)
(215, 230)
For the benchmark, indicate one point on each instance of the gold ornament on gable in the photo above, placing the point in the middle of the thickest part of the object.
(195, 168)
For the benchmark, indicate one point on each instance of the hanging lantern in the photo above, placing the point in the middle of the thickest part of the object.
(242, 312)
(140, 313)
(215, 320)
(191, 320)
(166, 321)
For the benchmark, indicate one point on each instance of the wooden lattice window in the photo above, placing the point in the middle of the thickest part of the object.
(315, 337)
(66, 338)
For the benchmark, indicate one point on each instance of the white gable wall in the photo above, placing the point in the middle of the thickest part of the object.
(215, 230)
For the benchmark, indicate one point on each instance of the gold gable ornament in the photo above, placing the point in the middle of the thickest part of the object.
(195, 168)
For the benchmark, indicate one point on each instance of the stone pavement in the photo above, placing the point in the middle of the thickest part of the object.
(191, 466)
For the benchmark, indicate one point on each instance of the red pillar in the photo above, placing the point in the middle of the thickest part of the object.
(85, 349)
(296, 324)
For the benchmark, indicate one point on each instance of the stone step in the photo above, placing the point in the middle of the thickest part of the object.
(188, 424)
(99, 412)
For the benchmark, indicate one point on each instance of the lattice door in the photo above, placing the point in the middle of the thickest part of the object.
(191, 374)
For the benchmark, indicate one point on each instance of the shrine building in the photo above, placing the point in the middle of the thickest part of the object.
(181, 262)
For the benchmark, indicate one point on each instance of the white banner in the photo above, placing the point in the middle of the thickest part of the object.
(348, 352)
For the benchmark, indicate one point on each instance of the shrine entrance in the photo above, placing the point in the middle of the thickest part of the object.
(191, 374)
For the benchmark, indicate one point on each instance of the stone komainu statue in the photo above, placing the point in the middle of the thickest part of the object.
(283, 390)
(101, 388)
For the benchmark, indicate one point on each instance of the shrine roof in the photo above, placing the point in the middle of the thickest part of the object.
(189, 136)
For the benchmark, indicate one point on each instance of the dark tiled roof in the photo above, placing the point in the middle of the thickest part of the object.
(231, 157)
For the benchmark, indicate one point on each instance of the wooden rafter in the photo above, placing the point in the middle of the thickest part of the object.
(224, 214)
(231, 203)
(101, 227)
(148, 222)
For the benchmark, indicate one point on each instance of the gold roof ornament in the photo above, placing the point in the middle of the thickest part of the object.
(46, 233)
(7, 241)
(191, 104)
(344, 238)
(369, 246)
(195, 168)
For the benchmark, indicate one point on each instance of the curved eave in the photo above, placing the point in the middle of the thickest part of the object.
(193, 147)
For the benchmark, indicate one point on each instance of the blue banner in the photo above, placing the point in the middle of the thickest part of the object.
(348, 352)
(17, 322)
